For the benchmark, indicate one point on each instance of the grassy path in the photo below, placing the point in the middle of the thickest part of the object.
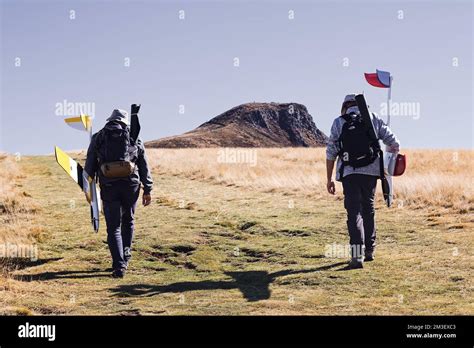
(202, 248)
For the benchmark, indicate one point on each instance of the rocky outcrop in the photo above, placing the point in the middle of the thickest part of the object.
(252, 125)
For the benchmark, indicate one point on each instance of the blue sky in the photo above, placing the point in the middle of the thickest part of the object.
(190, 62)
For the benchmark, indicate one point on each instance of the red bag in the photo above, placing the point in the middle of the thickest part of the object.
(400, 165)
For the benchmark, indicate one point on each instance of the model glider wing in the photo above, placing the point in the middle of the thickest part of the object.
(95, 206)
(87, 184)
(365, 114)
(71, 167)
(387, 190)
(82, 122)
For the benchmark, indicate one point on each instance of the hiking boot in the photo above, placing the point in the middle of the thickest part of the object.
(118, 273)
(127, 255)
(369, 256)
(355, 264)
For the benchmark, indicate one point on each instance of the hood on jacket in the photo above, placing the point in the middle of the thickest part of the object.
(120, 116)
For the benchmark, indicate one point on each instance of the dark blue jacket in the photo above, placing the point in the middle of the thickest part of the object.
(141, 174)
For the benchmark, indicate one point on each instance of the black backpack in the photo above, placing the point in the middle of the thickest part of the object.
(114, 144)
(357, 149)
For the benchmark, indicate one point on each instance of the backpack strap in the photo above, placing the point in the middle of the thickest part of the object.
(347, 118)
(99, 141)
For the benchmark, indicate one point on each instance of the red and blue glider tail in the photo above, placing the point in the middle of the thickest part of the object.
(379, 79)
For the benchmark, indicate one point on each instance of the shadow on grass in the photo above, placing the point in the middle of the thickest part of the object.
(254, 285)
(17, 263)
(62, 275)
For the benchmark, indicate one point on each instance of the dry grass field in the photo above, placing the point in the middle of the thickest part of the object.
(16, 205)
(435, 178)
(244, 231)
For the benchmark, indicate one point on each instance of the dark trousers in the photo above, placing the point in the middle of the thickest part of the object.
(359, 192)
(119, 202)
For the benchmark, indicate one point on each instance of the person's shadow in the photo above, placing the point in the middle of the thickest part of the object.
(94, 273)
(17, 263)
(254, 285)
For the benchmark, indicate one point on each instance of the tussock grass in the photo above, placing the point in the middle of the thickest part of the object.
(16, 204)
(438, 179)
(276, 168)
(434, 178)
(17, 228)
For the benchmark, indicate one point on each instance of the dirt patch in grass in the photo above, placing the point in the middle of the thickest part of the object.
(294, 233)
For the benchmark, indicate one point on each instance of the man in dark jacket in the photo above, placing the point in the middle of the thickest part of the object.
(120, 194)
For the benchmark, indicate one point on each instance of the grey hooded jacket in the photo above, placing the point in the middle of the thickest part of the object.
(383, 133)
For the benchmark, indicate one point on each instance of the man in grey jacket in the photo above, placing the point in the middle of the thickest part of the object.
(120, 194)
(359, 184)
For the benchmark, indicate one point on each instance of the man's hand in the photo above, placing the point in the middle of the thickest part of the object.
(394, 148)
(331, 187)
(135, 109)
(146, 199)
(330, 184)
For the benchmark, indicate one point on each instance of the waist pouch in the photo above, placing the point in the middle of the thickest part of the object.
(119, 169)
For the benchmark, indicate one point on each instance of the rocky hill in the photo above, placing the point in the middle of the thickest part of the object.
(252, 125)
